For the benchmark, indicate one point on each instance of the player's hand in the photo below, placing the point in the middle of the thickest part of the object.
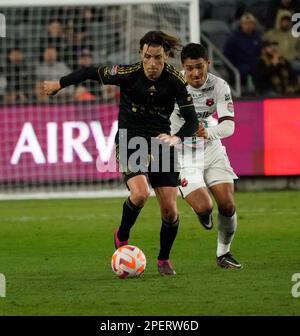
(172, 140)
(202, 132)
(50, 88)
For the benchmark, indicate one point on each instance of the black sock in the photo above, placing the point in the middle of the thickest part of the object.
(129, 216)
(204, 217)
(168, 234)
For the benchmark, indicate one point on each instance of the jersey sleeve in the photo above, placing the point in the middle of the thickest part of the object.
(117, 74)
(225, 108)
(80, 76)
(176, 120)
(110, 74)
(186, 108)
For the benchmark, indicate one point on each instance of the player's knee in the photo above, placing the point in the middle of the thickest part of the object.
(203, 208)
(200, 202)
(227, 209)
(139, 197)
(205, 213)
(169, 214)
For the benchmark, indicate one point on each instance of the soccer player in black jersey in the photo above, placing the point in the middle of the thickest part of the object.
(149, 90)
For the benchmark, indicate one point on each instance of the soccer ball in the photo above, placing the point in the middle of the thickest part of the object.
(128, 261)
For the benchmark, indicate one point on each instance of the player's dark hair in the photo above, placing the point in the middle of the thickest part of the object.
(193, 51)
(158, 38)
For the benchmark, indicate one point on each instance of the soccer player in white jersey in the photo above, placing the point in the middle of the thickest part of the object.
(211, 95)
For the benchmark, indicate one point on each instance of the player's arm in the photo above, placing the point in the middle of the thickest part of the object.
(188, 129)
(103, 75)
(187, 111)
(75, 77)
(225, 111)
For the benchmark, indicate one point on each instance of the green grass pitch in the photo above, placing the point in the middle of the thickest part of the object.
(55, 255)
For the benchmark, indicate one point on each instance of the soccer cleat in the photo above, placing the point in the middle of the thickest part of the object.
(227, 261)
(117, 241)
(165, 267)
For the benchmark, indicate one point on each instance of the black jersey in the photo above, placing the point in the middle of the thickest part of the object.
(145, 105)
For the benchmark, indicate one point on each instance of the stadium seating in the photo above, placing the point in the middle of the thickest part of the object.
(222, 9)
(217, 31)
(259, 8)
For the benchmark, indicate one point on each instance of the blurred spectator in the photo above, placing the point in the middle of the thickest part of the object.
(273, 73)
(18, 78)
(85, 60)
(55, 38)
(243, 47)
(50, 69)
(288, 45)
(82, 94)
(111, 94)
(78, 39)
(276, 7)
(89, 90)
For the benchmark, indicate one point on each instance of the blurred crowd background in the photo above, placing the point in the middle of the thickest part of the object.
(254, 36)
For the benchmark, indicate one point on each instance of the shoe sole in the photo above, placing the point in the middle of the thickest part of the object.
(166, 274)
(228, 265)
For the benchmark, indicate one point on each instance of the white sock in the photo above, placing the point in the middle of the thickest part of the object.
(226, 229)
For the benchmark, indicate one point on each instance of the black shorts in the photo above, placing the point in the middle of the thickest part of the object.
(157, 178)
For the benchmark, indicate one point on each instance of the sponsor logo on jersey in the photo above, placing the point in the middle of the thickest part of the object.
(230, 107)
(197, 95)
(113, 70)
(211, 88)
(227, 97)
(210, 102)
(152, 89)
(204, 114)
(184, 182)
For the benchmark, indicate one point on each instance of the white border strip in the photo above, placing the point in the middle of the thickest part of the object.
(64, 194)
(39, 3)
(67, 195)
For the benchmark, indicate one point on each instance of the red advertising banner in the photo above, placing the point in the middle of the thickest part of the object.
(48, 143)
(57, 142)
(282, 136)
(246, 146)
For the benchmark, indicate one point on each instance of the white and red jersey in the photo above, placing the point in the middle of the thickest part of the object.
(214, 96)
(214, 108)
